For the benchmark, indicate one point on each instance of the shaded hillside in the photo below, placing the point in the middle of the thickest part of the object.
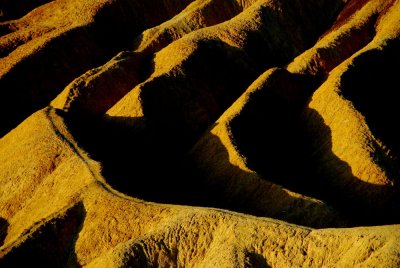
(199, 133)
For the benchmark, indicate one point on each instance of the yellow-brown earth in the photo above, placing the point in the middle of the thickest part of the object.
(199, 133)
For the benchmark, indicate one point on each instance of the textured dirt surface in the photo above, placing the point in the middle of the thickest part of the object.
(199, 133)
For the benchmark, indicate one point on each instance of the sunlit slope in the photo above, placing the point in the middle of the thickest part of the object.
(102, 228)
(63, 39)
(199, 133)
(349, 114)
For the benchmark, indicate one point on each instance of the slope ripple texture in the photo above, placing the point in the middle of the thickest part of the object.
(199, 133)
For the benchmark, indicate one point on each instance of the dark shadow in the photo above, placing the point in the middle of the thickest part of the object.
(51, 77)
(153, 165)
(72, 259)
(140, 160)
(267, 130)
(255, 260)
(293, 148)
(329, 178)
(351, 8)
(55, 68)
(101, 88)
(49, 70)
(138, 256)
(46, 72)
(5, 28)
(14, 9)
(213, 13)
(371, 84)
(3, 230)
(51, 245)
(136, 161)
(187, 100)
(147, 157)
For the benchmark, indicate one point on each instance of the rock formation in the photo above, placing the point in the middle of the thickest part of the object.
(199, 133)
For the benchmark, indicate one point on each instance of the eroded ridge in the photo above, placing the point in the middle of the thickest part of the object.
(197, 133)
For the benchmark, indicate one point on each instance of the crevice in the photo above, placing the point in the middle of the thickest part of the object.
(255, 260)
(369, 83)
(48, 245)
(60, 59)
(349, 10)
(271, 133)
(3, 230)
(200, 14)
(346, 45)
(5, 28)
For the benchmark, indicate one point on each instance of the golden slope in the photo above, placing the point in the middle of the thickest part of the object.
(117, 231)
(63, 39)
(196, 116)
(356, 160)
(221, 157)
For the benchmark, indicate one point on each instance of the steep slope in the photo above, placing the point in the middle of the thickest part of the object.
(118, 231)
(63, 39)
(164, 133)
(357, 160)
(262, 126)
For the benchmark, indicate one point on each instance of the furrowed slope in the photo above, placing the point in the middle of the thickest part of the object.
(63, 39)
(164, 133)
(102, 228)
(361, 158)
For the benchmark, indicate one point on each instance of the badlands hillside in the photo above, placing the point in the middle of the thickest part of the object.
(199, 133)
